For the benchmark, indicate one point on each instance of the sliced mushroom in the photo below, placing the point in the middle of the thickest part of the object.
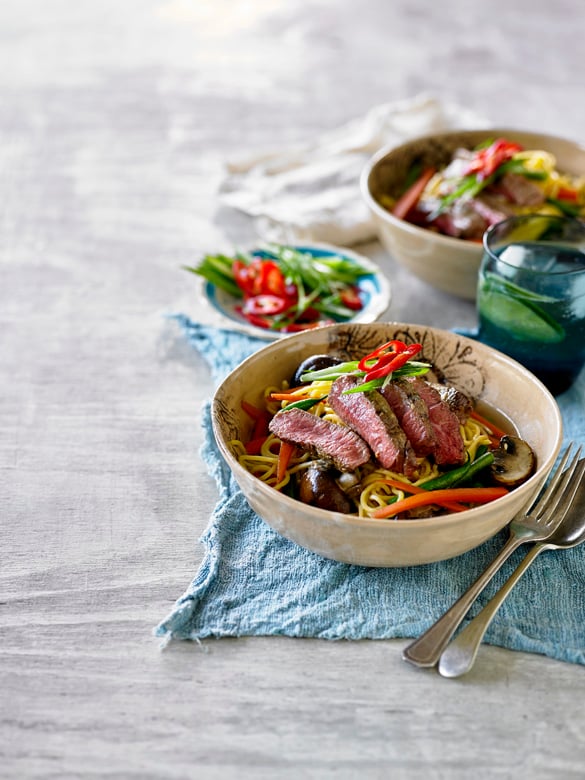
(350, 484)
(317, 486)
(514, 462)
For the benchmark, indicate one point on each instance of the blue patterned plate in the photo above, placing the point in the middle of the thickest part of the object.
(374, 290)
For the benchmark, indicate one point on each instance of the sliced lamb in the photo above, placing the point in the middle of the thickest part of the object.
(370, 415)
(412, 414)
(339, 445)
(450, 445)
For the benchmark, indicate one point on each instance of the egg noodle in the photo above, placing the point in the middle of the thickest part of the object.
(375, 491)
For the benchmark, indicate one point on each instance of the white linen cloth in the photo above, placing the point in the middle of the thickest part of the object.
(312, 192)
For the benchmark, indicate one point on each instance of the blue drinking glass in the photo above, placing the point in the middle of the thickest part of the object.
(531, 295)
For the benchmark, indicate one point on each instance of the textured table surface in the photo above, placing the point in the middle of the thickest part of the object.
(115, 121)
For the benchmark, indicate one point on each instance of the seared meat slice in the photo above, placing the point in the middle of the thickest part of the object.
(334, 443)
(491, 208)
(370, 415)
(412, 414)
(450, 447)
(521, 190)
(456, 400)
(462, 220)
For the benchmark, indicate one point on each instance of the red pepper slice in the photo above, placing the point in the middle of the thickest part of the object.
(564, 193)
(252, 411)
(266, 305)
(297, 327)
(389, 363)
(255, 319)
(351, 298)
(247, 277)
(272, 281)
(487, 161)
(388, 349)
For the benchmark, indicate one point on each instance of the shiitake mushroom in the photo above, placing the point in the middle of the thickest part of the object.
(313, 363)
(514, 462)
(317, 487)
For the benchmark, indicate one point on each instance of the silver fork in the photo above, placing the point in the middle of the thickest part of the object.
(459, 656)
(531, 526)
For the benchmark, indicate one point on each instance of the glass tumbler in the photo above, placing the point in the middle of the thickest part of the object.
(531, 295)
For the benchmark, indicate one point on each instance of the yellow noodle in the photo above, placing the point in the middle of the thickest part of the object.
(375, 491)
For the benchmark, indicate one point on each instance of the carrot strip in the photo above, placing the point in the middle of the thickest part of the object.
(498, 432)
(285, 455)
(465, 495)
(289, 396)
(411, 197)
(454, 506)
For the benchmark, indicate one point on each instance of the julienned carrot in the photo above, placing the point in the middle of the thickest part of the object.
(479, 495)
(408, 200)
(415, 489)
(498, 432)
(285, 455)
(289, 395)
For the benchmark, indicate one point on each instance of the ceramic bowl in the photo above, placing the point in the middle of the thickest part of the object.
(448, 264)
(500, 385)
(375, 292)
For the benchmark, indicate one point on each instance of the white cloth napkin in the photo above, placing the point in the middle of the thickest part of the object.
(312, 193)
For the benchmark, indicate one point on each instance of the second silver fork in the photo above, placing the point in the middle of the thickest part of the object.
(533, 526)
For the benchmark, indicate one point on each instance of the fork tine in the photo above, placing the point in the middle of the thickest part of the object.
(561, 486)
(542, 499)
(565, 501)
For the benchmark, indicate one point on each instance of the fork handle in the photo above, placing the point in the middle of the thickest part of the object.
(426, 650)
(459, 656)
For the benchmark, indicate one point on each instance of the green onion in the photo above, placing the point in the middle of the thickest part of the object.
(412, 368)
(568, 209)
(304, 403)
(460, 475)
(217, 269)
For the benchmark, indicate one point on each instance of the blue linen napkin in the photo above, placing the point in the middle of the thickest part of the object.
(252, 581)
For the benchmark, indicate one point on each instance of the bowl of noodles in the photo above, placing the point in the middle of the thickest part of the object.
(280, 438)
(433, 197)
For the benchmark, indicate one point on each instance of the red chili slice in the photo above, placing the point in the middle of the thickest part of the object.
(247, 276)
(297, 327)
(487, 161)
(386, 350)
(351, 298)
(254, 319)
(385, 367)
(265, 305)
(272, 281)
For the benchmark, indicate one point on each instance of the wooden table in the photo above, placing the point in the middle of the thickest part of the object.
(115, 121)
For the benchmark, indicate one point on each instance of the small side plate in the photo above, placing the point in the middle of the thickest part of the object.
(374, 287)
